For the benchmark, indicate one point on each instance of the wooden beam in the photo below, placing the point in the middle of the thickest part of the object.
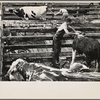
(42, 54)
(49, 17)
(33, 46)
(46, 30)
(8, 60)
(1, 53)
(42, 37)
(47, 23)
(49, 37)
(54, 4)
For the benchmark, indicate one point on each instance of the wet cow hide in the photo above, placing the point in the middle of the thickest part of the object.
(38, 72)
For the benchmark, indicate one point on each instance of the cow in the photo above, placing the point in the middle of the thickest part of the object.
(21, 67)
(15, 64)
(27, 12)
(89, 47)
(21, 70)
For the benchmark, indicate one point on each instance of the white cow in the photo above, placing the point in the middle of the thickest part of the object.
(27, 12)
(15, 64)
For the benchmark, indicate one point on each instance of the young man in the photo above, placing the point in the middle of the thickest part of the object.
(57, 40)
(64, 13)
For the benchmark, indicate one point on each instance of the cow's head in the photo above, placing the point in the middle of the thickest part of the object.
(11, 10)
(14, 76)
(18, 12)
(15, 67)
(27, 70)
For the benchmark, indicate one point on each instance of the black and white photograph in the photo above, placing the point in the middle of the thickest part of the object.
(50, 41)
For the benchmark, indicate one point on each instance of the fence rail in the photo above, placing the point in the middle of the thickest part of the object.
(54, 4)
(45, 30)
(50, 37)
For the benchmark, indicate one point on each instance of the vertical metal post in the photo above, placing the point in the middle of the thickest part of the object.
(1, 53)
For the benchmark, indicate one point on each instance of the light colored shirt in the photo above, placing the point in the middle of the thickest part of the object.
(63, 27)
(63, 11)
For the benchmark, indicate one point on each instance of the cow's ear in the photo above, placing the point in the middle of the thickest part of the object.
(22, 11)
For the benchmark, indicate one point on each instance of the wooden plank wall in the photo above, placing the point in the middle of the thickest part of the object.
(40, 33)
(1, 54)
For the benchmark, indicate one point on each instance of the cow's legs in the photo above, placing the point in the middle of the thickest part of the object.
(88, 61)
(73, 56)
(42, 17)
(26, 17)
(97, 65)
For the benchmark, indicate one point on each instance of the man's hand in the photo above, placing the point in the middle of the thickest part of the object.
(77, 32)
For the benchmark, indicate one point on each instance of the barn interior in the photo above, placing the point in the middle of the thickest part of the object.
(32, 40)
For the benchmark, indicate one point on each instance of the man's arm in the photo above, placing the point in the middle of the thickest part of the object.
(66, 31)
(71, 28)
(58, 13)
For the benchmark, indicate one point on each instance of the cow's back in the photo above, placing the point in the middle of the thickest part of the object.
(38, 10)
(87, 46)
